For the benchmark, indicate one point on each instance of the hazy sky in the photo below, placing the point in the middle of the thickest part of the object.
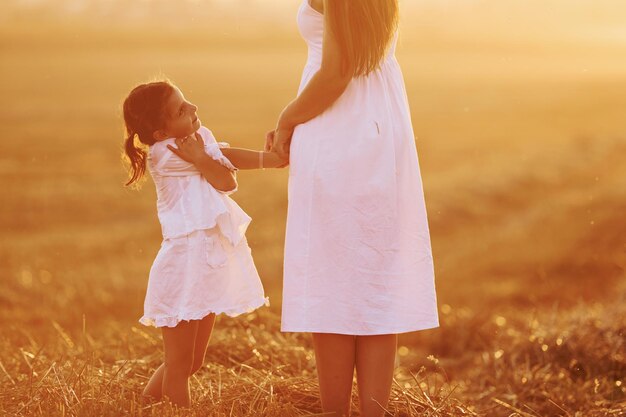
(601, 19)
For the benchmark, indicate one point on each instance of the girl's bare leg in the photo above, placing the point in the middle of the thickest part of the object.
(375, 362)
(205, 328)
(334, 357)
(154, 389)
(179, 343)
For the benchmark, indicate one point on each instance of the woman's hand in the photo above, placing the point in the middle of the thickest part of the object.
(280, 150)
(190, 148)
(281, 142)
(269, 140)
(283, 160)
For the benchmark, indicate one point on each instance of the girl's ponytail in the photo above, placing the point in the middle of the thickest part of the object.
(137, 158)
(144, 114)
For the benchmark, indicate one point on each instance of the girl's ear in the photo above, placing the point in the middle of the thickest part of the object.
(159, 135)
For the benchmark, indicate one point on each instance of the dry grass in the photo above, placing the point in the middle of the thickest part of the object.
(523, 159)
(567, 362)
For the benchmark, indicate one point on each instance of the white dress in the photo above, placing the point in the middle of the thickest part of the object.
(358, 255)
(204, 264)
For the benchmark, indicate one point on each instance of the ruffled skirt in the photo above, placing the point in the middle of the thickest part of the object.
(199, 274)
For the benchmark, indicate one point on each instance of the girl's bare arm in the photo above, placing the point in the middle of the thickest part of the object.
(220, 177)
(191, 149)
(249, 159)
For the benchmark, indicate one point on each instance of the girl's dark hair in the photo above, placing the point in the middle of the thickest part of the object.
(144, 113)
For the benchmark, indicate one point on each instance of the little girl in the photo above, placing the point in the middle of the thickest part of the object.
(204, 266)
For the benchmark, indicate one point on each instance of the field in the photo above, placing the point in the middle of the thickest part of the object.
(522, 149)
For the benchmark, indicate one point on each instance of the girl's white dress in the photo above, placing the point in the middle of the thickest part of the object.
(358, 254)
(204, 264)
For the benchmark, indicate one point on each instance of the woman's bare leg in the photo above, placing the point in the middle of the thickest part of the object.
(179, 343)
(375, 362)
(334, 357)
(154, 388)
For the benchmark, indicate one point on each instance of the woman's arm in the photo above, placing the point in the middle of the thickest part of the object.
(249, 159)
(324, 88)
(191, 149)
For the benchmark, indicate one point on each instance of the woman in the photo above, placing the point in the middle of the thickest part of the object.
(358, 266)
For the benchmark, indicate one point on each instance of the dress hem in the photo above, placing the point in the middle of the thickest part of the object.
(172, 321)
(311, 329)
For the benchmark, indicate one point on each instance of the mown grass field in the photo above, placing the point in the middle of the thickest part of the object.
(523, 155)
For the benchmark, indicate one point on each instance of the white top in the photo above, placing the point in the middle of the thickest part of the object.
(186, 202)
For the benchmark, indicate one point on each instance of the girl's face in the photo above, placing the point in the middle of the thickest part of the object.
(180, 117)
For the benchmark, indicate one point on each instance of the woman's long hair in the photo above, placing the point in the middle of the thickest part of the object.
(364, 30)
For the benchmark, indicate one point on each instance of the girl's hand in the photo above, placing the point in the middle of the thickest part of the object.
(190, 148)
